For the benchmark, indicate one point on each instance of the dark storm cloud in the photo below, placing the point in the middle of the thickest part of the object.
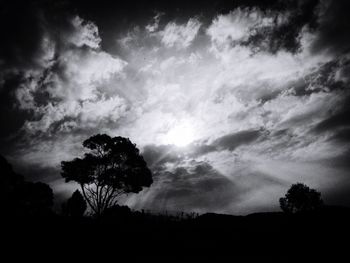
(227, 142)
(334, 33)
(340, 118)
(232, 141)
(342, 135)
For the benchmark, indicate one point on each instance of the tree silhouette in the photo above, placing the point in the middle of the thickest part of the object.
(22, 198)
(300, 198)
(76, 205)
(112, 167)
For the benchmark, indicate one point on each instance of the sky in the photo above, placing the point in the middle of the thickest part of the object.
(230, 102)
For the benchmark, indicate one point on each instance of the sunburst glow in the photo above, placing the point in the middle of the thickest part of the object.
(181, 135)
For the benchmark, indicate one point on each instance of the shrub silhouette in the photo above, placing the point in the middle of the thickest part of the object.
(112, 167)
(76, 205)
(118, 213)
(300, 198)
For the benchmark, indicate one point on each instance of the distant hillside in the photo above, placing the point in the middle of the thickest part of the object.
(261, 234)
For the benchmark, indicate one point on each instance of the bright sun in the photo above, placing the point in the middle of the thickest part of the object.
(180, 135)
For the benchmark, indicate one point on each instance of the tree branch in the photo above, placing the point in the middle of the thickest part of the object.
(86, 198)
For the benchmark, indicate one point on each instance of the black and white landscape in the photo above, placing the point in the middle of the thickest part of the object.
(207, 126)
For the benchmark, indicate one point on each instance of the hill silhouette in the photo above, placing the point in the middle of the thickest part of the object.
(121, 232)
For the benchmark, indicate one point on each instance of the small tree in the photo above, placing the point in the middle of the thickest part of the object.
(112, 167)
(76, 205)
(300, 198)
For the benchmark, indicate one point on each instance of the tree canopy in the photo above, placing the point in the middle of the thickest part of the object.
(111, 167)
(300, 198)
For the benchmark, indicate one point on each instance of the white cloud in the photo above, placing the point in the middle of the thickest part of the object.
(154, 26)
(93, 112)
(180, 36)
(83, 72)
(85, 33)
(73, 82)
(85, 114)
(237, 26)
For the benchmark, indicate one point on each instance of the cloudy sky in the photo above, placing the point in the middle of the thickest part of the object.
(230, 101)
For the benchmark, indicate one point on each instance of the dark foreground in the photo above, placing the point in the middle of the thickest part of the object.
(277, 235)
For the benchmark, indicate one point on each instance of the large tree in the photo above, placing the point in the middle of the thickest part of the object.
(300, 198)
(111, 167)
